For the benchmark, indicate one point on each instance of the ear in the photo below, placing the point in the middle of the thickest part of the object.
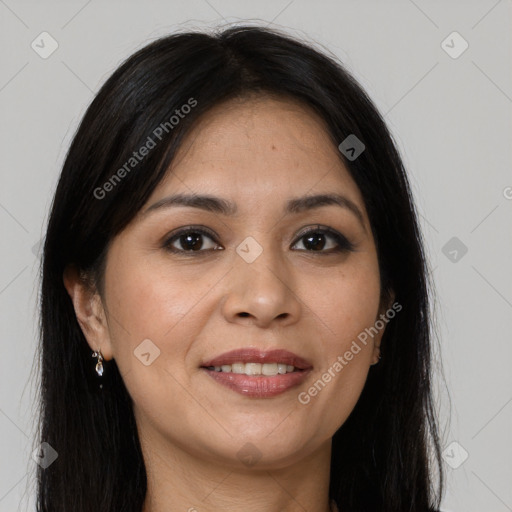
(89, 310)
(387, 301)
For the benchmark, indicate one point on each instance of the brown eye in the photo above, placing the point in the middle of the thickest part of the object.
(191, 240)
(316, 240)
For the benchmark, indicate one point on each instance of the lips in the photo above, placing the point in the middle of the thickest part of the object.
(224, 370)
(250, 355)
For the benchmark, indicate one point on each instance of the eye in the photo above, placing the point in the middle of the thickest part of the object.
(191, 240)
(316, 240)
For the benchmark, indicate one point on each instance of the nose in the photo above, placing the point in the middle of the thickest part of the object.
(262, 292)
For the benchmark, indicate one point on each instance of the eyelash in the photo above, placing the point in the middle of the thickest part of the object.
(344, 245)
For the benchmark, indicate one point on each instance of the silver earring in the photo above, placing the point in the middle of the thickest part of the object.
(99, 364)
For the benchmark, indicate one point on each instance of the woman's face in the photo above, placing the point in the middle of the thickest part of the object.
(250, 280)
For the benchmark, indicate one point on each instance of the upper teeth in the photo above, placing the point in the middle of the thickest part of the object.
(255, 368)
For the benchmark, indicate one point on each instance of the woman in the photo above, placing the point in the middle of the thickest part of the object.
(233, 241)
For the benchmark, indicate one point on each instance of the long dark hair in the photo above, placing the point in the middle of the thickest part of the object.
(386, 456)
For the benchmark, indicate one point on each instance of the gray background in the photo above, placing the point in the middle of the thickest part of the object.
(451, 118)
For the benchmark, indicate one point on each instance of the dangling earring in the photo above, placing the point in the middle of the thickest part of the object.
(99, 364)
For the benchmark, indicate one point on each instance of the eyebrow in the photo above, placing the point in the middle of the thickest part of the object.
(225, 207)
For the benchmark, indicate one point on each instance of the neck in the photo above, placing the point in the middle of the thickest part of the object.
(179, 480)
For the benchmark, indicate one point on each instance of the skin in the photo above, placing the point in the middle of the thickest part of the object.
(257, 152)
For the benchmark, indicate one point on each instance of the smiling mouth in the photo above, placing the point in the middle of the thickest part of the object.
(258, 373)
(255, 369)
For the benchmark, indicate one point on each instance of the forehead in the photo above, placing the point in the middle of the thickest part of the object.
(256, 148)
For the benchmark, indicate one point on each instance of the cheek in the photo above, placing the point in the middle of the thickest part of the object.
(143, 304)
(348, 303)
(347, 307)
(161, 304)
(149, 301)
(151, 330)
